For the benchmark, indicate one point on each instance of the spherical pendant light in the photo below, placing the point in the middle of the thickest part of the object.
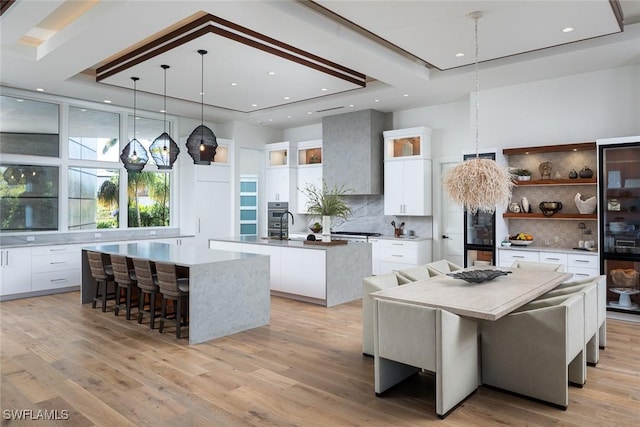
(134, 156)
(202, 142)
(164, 149)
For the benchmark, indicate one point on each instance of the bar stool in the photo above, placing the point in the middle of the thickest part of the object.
(125, 278)
(176, 289)
(148, 287)
(103, 274)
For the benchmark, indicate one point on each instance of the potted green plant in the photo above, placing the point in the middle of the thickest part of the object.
(522, 174)
(316, 227)
(326, 202)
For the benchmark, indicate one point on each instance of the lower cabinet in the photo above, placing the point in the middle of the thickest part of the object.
(55, 267)
(580, 265)
(293, 270)
(15, 271)
(389, 255)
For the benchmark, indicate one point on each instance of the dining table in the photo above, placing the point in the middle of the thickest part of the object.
(432, 325)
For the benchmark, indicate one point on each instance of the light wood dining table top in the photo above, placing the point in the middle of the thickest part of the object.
(489, 300)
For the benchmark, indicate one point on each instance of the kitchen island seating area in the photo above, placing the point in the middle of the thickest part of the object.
(102, 273)
(426, 324)
(227, 292)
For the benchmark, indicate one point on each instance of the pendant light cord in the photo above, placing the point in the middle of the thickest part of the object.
(476, 16)
(202, 53)
(164, 117)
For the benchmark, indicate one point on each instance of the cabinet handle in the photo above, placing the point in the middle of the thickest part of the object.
(399, 256)
(56, 250)
(582, 274)
(57, 262)
(553, 259)
(397, 244)
(58, 280)
(582, 260)
(517, 256)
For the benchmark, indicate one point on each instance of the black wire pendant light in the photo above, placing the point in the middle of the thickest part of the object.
(202, 142)
(134, 156)
(164, 149)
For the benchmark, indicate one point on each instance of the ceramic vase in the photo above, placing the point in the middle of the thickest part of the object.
(525, 205)
(326, 228)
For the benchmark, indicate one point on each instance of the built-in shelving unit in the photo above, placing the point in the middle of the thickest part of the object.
(578, 181)
(584, 217)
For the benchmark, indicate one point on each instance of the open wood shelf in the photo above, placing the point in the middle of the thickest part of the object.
(585, 217)
(550, 148)
(577, 181)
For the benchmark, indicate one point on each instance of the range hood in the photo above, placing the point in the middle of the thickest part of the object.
(352, 150)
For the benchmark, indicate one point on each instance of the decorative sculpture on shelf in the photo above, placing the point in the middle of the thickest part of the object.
(545, 170)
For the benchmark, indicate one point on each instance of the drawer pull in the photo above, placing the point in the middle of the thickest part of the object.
(553, 259)
(57, 262)
(397, 244)
(58, 280)
(56, 250)
(582, 274)
(582, 260)
(399, 256)
(517, 256)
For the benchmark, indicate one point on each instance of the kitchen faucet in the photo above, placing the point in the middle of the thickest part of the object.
(281, 218)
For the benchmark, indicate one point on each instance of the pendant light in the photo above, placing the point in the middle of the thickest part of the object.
(479, 184)
(164, 149)
(134, 156)
(202, 142)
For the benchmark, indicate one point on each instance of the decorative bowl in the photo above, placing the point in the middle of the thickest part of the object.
(478, 276)
(521, 242)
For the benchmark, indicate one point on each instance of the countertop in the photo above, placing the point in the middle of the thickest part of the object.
(292, 243)
(549, 249)
(302, 235)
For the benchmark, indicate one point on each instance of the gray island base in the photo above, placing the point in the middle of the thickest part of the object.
(325, 275)
(228, 291)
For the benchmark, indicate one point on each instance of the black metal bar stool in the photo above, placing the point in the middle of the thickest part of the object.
(175, 289)
(148, 287)
(125, 278)
(103, 274)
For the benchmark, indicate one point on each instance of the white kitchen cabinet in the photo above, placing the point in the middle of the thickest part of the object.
(508, 257)
(397, 254)
(225, 246)
(281, 180)
(179, 241)
(274, 261)
(407, 187)
(15, 271)
(303, 272)
(307, 175)
(278, 184)
(583, 265)
(56, 267)
(553, 258)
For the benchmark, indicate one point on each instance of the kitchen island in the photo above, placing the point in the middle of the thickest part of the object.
(321, 274)
(228, 291)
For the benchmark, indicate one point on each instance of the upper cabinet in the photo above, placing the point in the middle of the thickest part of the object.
(407, 172)
(309, 171)
(281, 180)
(408, 143)
(558, 173)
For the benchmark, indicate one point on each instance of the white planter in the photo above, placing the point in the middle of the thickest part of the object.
(524, 177)
(326, 228)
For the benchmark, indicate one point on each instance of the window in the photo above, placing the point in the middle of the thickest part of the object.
(149, 192)
(93, 198)
(29, 197)
(149, 199)
(29, 127)
(94, 135)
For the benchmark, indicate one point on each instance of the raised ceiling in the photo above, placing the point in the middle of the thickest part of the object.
(293, 62)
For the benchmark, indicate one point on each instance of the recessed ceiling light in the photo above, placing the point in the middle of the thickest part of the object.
(324, 89)
(163, 111)
(567, 30)
(107, 101)
(83, 110)
(254, 105)
(270, 120)
(201, 93)
(459, 55)
(272, 73)
(309, 112)
(234, 84)
(39, 89)
(406, 94)
(351, 105)
(376, 100)
(19, 100)
(288, 117)
(286, 97)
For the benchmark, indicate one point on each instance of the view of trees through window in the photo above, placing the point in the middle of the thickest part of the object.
(148, 199)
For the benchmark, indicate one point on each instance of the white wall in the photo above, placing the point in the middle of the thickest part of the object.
(303, 133)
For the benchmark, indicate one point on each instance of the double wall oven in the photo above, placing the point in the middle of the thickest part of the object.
(275, 212)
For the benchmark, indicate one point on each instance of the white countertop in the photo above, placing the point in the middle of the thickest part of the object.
(163, 252)
(549, 249)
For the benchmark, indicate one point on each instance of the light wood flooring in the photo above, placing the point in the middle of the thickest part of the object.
(304, 369)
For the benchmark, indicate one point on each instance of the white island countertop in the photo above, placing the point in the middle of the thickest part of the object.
(291, 243)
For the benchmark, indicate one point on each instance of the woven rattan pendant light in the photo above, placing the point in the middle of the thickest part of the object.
(202, 142)
(479, 184)
(164, 149)
(134, 156)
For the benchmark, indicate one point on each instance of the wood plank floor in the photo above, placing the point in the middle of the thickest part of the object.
(304, 369)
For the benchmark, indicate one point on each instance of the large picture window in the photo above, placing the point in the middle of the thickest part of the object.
(149, 199)
(29, 127)
(94, 135)
(93, 198)
(29, 197)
